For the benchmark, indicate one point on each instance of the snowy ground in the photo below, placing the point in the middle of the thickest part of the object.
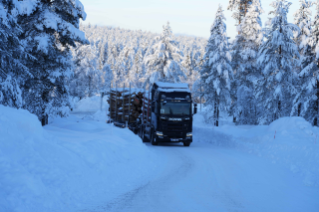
(83, 164)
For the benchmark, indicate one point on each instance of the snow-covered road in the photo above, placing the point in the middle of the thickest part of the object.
(82, 164)
(205, 177)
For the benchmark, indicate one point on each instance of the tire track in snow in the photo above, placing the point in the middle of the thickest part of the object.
(156, 192)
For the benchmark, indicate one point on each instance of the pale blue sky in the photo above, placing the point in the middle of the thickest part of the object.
(192, 17)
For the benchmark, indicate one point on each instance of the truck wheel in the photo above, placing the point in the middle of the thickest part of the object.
(144, 138)
(187, 143)
(153, 140)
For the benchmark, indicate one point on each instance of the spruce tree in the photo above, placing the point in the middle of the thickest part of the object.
(306, 102)
(137, 71)
(165, 62)
(240, 8)
(278, 56)
(303, 21)
(217, 72)
(48, 33)
(244, 64)
(12, 55)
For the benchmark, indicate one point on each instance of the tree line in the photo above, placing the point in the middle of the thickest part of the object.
(118, 57)
(265, 73)
(48, 57)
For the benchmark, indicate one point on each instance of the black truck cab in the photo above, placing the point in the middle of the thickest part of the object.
(171, 113)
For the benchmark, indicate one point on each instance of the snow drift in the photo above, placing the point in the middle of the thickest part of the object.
(61, 167)
(290, 141)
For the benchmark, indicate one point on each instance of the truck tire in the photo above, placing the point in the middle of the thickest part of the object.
(144, 138)
(153, 139)
(187, 143)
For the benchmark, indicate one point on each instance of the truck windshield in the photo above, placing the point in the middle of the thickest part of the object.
(175, 108)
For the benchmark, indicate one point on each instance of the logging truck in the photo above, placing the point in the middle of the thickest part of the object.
(162, 114)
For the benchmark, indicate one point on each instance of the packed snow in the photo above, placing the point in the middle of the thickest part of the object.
(68, 164)
(80, 163)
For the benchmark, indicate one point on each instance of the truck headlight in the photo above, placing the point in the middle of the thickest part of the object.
(189, 134)
(159, 133)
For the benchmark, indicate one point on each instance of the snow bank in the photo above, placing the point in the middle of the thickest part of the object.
(291, 142)
(92, 104)
(67, 165)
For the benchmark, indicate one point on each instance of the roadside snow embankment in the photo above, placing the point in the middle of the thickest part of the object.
(68, 165)
(289, 141)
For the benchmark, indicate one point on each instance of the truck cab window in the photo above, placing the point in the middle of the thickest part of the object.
(175, 108)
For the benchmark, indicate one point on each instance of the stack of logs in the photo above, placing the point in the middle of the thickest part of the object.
(125, 106)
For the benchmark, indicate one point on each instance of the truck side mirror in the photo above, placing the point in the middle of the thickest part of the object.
(195, 108)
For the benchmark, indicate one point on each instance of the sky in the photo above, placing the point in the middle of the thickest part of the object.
(188, 17)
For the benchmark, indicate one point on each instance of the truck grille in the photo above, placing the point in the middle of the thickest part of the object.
(175, 129)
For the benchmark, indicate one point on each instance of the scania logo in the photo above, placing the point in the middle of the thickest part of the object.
(175, 119)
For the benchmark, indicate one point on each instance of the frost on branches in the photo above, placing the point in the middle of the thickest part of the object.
(306, 102)
(12, 54)
(48, 33)
(303, 21)
(240, 8)
(244, 63)
(87, 78)
(125, 51)
(165, 62)
(278, 57)
(216, 72)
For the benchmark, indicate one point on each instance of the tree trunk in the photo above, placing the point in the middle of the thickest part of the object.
(317, 103)
(299, 109)
(216, 112)
(279, 109)
(89, 86)
(44, 119)
(217, 121)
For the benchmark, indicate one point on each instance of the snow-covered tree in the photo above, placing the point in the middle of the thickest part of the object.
(306, 102)
(137, 71)
(244, 64)
(278, 56)
(103, 46)
(240, 8)
(12, 55)
(86, 79)
(133, 47)
(165, 62)
(217, 72)
(107, 78)
(48, 33)
(189, 63)
(303, 20)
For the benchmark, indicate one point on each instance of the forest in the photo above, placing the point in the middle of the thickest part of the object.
(48, 59)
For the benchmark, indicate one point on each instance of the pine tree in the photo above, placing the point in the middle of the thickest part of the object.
(306, 102)
(165, 62)
(124, 45)
(12, 55)
(217, 72)
(107, 78)
(240, 8)
(245, 51)
(103, 54)
(86, 79)
(48, 33)
(138, 70)
(303, 21)
(278, 56)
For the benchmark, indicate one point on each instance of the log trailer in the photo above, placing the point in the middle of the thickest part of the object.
(166, 114)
